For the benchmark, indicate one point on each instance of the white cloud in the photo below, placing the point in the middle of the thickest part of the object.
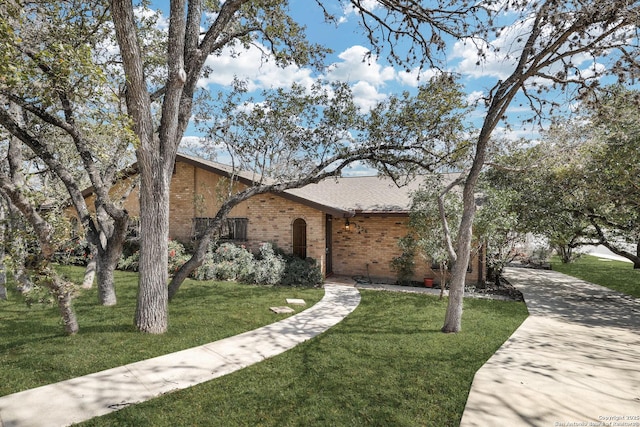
(594, 70)
(349, 9)
(258, 71)
(366, 95)
(498, 58)
(356, 66)
(514, 134)
(493, 64)
(416, 77)
(475, 97)
(359, 169)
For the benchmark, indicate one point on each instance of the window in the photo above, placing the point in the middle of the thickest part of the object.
(231, 228)
(300, 238)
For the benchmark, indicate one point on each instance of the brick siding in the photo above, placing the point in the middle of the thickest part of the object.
(271, 220)
(371, 242)
(366, 249)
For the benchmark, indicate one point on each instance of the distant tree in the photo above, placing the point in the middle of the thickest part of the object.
(577, 186)
(13, 189)
(433, 209)
(544, 188)
(613, 170)
(62, 107)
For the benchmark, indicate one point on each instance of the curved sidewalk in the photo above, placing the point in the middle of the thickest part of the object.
(82, 398)
(572, 362)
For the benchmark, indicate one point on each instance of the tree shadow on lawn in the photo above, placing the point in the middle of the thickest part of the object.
(17, 337)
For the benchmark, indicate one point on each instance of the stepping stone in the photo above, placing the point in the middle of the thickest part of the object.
(282, 310)
(296, 301)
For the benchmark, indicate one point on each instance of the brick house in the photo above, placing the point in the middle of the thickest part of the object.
(349, 225)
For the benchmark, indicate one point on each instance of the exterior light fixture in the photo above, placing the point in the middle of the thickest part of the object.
(347, 226)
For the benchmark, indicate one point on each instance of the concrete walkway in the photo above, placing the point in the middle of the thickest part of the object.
(97, 394)
(574, 361)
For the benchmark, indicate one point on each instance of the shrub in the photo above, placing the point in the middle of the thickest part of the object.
(232, 262)
(404, 265)
(130, 263)
(269, 267)
(73, 252)
(177, 255)
(301, 272)
(206, 271)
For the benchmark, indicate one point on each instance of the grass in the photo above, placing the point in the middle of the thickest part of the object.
(386, 364)
(617, 275)
(34, 350)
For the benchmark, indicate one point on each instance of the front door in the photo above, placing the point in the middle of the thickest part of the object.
(328, 264)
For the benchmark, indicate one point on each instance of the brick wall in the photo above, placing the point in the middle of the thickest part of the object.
(181, 201)
(371, 242)
(368, 247)
(196, 192)
(271, 220)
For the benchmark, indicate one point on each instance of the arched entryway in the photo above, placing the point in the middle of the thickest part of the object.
(300, 238)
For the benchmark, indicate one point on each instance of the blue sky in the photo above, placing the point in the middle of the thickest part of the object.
(374, 80)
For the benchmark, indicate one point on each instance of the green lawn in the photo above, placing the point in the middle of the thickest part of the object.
(34, 350)
(616, 275)
(386, 364)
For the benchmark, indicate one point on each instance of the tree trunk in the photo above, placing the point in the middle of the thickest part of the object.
(3, 272)
(108, 251)
(156, 156)
(106, 286)
(621, 252)
(152, 305)
(566, 254)
(443, 278)
(107, 261)
(194, 262)
(3, 278)
(90, 271)
(453, 316)
(63, 294)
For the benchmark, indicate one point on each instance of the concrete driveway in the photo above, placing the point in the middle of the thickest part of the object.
(575, 361)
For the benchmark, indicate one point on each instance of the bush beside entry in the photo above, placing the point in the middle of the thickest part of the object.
(269, 266)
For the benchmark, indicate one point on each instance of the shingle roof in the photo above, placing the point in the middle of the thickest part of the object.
(342, 196)
(364, 194)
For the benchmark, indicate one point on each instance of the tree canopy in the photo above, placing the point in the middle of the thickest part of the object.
(100, 68)
(575, 187)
